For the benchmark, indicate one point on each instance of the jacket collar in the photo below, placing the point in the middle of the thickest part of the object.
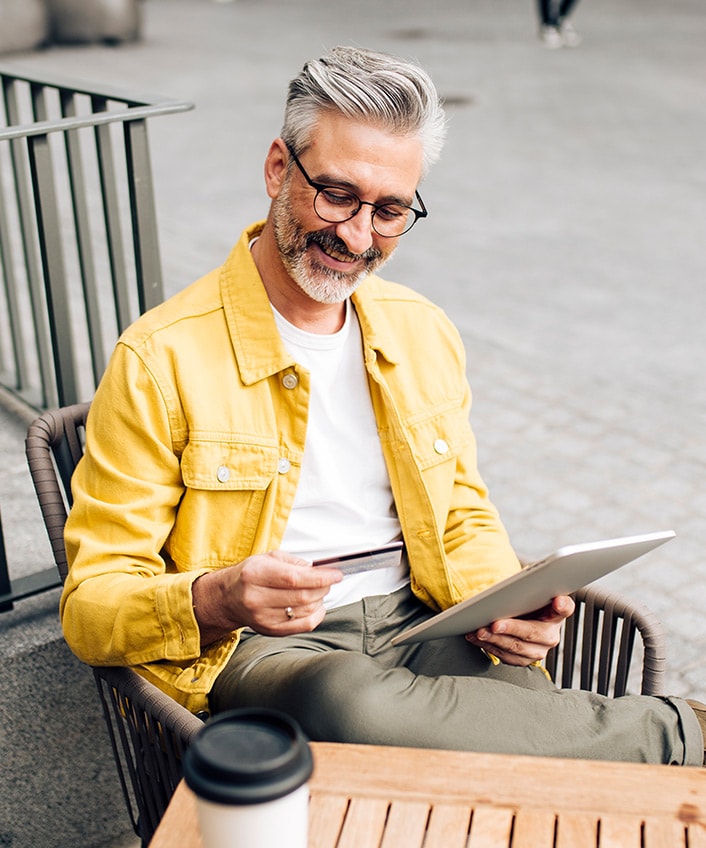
(256, 341)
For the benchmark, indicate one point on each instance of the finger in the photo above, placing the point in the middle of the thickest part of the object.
(563, 606)
(277, 570)
(537, 632)
(509, 650)
(519, 636)
(280, 621)
(291, 559)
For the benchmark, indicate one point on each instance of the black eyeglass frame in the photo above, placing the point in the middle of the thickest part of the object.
(418, 213)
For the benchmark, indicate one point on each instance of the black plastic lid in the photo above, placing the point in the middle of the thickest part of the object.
(248, 756)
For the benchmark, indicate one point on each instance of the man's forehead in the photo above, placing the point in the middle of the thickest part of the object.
(354, 149)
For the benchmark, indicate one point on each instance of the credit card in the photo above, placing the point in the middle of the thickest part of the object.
(388, 556)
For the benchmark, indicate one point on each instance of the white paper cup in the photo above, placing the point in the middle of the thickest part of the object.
(249, 770)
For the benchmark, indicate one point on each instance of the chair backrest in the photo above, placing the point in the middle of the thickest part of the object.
(149, 731)
(53, 446)
(598, 646)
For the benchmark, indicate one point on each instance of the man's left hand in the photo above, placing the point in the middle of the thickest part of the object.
(522, 641)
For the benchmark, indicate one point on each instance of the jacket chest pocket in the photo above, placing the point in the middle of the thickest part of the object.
(438, 439)
(228, 466)
(227, 482)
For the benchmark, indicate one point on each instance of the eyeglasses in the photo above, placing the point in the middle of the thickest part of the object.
(336, 205)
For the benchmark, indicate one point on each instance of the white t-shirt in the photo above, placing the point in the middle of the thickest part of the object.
(344, 500)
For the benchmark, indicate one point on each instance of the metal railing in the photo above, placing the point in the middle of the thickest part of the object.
(79, 253)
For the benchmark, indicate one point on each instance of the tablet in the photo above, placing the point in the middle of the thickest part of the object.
(561, 573)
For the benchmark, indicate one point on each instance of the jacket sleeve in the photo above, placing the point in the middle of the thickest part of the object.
(478, 549)
(122, 602)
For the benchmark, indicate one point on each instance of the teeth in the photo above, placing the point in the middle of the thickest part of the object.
(340, 257)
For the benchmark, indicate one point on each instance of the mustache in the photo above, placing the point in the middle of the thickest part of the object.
(331, 242)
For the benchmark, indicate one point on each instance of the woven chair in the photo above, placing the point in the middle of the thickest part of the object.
(149, 731)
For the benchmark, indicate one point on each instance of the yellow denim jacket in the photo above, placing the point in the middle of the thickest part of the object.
(193, 450)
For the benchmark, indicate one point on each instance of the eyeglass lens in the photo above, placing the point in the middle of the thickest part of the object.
(390, 219)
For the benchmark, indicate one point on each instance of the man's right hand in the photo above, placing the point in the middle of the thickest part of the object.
(275, 594)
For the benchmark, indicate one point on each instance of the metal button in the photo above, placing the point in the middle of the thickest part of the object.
(284, 465)
(223, 473)
(440, 446)
(290, 381)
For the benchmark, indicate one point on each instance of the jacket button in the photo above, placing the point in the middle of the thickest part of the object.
(440, 446)
(223, 473)
(283, 465)
(290, 381)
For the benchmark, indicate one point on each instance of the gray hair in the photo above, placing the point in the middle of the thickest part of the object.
(385, 90)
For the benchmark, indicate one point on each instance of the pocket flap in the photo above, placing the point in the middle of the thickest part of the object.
(438, 439)
(228, 464)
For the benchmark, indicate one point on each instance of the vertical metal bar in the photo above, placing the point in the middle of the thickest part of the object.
(144, 216)
(51, 251)
(48, 226)
(111, 212)
(25, 204)
(83, 237)
(21, 372)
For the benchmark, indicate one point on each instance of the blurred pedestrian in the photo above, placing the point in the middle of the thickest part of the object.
(555, 29)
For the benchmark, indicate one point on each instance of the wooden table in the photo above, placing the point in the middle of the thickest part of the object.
(377, 797)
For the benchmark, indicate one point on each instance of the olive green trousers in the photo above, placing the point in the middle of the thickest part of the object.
(345, 682)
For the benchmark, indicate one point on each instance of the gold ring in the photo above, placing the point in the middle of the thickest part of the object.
(290, 613)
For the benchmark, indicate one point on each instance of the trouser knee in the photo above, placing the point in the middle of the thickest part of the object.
(334, 696)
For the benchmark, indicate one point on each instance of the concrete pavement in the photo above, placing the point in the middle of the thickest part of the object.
(565, 239)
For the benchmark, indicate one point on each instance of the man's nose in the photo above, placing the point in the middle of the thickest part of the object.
(357, 232)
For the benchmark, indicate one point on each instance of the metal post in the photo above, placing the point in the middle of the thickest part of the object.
(49, 233)
(147, 260)
(34, 278)
(82, 223)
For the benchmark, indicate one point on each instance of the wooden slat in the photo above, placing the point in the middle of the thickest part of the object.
(576, 831)
(696, 834)
(491, 827)
(534, 828)
(664, 833)
(618, 831)
(364, 824)
(406, 824)
(326, 816)
(179, 827)
(449, 826)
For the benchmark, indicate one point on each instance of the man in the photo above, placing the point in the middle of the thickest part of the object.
(290, 406)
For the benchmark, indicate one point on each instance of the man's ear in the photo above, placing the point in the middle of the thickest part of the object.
(276, 167)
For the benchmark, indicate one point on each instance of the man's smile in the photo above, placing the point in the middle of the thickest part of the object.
(334, 248)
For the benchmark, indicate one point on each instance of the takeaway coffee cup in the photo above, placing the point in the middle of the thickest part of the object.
(249, 770)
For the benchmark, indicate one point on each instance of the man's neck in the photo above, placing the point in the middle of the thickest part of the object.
(287, 297)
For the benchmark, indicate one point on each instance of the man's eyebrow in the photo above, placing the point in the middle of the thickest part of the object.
(339, 182)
